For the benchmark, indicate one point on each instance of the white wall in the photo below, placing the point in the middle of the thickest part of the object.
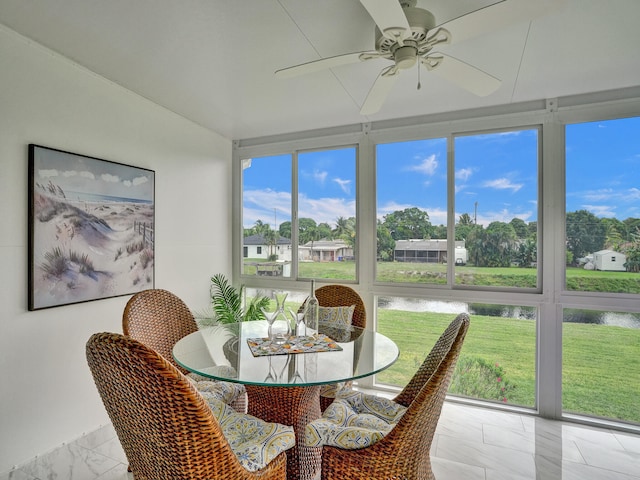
(47, 395)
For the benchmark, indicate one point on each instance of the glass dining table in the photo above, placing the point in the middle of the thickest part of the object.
(285, 388)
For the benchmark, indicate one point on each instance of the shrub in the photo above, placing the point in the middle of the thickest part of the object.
(475, 377)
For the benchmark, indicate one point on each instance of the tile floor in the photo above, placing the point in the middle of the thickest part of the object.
(471, 443)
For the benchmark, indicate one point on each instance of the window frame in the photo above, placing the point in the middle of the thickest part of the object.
(552, 115)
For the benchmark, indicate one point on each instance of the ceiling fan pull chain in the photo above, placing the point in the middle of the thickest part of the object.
(419, 85)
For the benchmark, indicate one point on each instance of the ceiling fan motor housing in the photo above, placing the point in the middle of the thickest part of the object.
(420, 22)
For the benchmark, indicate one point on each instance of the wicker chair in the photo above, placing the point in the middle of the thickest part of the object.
(404, 451)
(339, 296)
(166, 428)
(159, 318)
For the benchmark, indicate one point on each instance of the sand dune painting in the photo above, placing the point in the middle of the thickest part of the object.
(91, 228)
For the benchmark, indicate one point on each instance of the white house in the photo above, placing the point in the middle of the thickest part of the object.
(325, 251)
(428, 251)
(255, 246)
(609, 260)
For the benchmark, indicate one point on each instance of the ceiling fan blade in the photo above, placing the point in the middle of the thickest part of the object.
(379, 91)
(499, 15)
(462, 74)
(389, 17)
(325, 63)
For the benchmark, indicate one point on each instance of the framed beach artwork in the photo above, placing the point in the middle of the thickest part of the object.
(91, 228)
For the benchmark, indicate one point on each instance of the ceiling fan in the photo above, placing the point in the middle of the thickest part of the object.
(406, 35)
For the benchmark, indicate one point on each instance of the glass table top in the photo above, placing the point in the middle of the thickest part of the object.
(221, 352)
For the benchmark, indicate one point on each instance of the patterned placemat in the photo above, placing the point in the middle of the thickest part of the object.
(320, 343)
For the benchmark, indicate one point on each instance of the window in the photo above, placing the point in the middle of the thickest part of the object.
(603, 206)
(452, 219)
(498, 358)
(327, 214)
(496, 203)
(325, 220)
(412, 211)
(266, 215)
(601, 364)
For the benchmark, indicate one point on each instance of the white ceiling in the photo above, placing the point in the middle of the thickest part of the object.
(212, 61)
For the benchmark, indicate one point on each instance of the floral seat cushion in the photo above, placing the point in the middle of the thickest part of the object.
(354, 420)
(254, 442)
(233, 394)
(226, 392)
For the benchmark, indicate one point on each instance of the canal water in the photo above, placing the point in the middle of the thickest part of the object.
(627, 320)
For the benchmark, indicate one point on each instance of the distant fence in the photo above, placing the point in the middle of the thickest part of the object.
(147, 232)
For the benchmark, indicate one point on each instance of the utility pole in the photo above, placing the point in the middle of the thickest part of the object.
(475, 213)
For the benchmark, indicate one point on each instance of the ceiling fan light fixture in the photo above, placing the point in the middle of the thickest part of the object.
(405, 57)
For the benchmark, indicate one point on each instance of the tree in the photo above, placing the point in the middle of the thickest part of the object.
(306, 230)
(408, 223)
(585, 234)
(271, 239)
(519, 226)
(386, 243)
(285, 229)
(260, 227)
(323, 230)
(633, 252)
(615, 233)
(465, 219)
(439, 231)
(499, 240)
(527, 254)
(342, 227)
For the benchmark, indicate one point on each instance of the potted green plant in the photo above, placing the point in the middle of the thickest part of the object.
(228, 305)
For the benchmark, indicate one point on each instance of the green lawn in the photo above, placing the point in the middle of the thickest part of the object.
(601, 364)
(578, 279)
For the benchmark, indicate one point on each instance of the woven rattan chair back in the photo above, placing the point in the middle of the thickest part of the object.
(339, 296)
(342, 295)
(165, 427)
(404, 452)
(158, 318)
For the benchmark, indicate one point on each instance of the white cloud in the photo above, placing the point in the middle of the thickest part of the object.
(464, 174)
(70, 173)
(319, 176)
(344, 184)
(87, 174)
(503, 184)
(601, 210)
(427, 166)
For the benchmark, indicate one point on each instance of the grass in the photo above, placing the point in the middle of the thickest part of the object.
(601, 364)
(578, 279)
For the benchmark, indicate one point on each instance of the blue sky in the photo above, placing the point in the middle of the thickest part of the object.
(496, 177)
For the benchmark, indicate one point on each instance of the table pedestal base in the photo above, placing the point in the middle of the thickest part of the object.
(295, 406)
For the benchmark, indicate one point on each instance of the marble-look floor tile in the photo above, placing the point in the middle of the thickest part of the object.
(487, 456)
(112, 449)
(97, 437)
(613, 459)
(471, 443)
(576, 471)
(629, 442)
(70, 462)
(449, 470)
(545, 441)
(119, 472)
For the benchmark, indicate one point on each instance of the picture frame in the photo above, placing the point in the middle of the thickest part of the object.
(91, 228)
